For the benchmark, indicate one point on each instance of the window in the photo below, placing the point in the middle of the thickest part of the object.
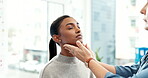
(133, 22)
(103, 27)
(96, 36)
(96, 16)
(133, 2)
(132, 41)
(23, 38)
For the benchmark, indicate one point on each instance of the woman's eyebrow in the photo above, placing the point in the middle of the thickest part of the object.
(72, 23)
(69, 24)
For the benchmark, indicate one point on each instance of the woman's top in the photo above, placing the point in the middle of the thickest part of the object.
(135, 71)
(65, 67)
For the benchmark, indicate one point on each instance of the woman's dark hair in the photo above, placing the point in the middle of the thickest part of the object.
(54, 30)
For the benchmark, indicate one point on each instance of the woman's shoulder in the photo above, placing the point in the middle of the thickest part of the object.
(51, 62)
(48, 69)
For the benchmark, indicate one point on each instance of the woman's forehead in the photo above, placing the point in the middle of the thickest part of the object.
(68, 20)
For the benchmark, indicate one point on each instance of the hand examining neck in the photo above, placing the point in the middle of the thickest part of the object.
(82, 52)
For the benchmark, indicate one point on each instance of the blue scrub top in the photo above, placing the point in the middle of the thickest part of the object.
(135, 71)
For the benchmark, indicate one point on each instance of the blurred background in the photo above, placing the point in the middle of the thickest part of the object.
(114, 29)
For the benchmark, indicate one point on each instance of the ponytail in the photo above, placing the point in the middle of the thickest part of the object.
(54, 30)
(52, 49)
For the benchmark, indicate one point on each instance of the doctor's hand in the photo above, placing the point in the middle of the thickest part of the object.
(82, 52)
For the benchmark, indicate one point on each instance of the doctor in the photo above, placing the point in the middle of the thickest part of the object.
(102, 70)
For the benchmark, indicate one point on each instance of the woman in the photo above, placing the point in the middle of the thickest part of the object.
(102, 70)
(64, 30)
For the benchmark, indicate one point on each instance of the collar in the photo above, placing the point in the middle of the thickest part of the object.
(66, 59)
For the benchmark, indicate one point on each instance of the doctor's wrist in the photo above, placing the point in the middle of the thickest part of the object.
(87, 62)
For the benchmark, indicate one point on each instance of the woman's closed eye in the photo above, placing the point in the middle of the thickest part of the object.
(70, 27)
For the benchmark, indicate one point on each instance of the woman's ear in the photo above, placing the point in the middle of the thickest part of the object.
(56, 38)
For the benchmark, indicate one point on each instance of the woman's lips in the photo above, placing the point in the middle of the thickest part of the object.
(79, 36)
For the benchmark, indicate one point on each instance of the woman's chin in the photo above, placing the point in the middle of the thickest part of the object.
(81, 40)
(74, 42)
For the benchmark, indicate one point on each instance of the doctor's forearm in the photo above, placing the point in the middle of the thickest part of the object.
(98, 70)
(108, 67)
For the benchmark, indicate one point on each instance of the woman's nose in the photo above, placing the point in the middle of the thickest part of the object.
(143, 11)
(78, 30)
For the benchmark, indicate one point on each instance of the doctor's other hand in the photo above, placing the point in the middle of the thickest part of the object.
(82, 52)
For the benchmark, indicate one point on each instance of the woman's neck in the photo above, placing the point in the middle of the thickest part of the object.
(65, 52)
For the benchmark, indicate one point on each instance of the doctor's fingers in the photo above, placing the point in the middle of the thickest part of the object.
(88, 47)
(81, 46)
(84, 49)
(70, 48)
(79, 56)
(89, 50)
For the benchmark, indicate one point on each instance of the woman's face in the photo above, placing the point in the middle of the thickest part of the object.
(145, 13)
(69, 31)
